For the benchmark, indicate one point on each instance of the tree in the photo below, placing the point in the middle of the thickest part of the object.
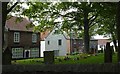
(108, 25)
(5, 12)
(118, 28)
(85, 15)
(82, 14)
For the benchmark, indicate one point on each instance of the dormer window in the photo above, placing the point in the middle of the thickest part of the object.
(56, 32)
(16, 37)
(34, 38)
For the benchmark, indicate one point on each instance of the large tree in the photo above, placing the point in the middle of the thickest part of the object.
(73, 13)
(84, 14)
(118, 29)
(107, 26)
(5, 12)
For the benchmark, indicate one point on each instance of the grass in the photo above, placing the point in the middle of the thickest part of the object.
(83, 59)
(28, 61)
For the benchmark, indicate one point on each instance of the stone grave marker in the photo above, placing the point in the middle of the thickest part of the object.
(48, 57)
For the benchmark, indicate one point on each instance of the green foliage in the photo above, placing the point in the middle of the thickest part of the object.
(107, 26)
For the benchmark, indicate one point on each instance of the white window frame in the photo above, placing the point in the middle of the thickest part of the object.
(34, 52)
(34, 38)
(17, 52)
(16, 37)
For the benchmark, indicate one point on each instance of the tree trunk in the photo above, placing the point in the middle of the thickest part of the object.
(118, 29)
(5, 57)
(115, 44)
(86, 32)
(108, 54)
(114, 39)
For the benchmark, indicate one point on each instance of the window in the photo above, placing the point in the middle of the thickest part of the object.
(48, 42)
(34, 38)
(59, 42)
(16, 37)
(17, 52)
(56, 52)
(34, 52)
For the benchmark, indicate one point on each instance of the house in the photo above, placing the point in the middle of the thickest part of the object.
(113, 45)
(23, 42)
(43, 35)
(102, 43)
(93, 46)
(76, 45)
(54, 40)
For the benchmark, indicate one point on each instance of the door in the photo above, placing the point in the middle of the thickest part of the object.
(27, 53)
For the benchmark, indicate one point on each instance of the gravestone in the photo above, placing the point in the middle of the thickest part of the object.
(112, 49)
(48, 57)
(108, 53)
(7, 57)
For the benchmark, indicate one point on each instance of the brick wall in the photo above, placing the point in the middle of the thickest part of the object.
(25, 39)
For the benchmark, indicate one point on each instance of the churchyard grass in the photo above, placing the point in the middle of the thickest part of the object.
(69, 59)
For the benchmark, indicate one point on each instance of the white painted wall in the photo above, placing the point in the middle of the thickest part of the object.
(53, 40)
(112, 44)
(42, 48)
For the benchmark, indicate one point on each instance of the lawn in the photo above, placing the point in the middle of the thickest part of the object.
(72, 59)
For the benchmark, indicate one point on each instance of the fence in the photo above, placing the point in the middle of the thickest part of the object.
(34, 69)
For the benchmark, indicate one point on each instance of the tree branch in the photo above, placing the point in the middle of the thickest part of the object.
(12, 7)
(91, 17)
(95, 23)
(91, 21)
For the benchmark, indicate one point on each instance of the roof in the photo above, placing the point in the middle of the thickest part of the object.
(103, 41)
(47, 33)
(11, 24)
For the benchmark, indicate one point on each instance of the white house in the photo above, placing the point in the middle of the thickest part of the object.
(55, 41)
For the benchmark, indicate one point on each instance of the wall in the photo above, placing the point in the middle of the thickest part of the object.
(37, 69)
(68, 46)
(42, 48)
(25, 43)
(102, 42)
(77, 45)
(25, 39)
(53, 38)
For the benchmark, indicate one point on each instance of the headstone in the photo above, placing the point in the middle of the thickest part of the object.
(108, 53)
(7, 57)
(48, 57)
(112, 49)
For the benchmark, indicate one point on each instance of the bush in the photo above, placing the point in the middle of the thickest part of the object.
(75, 53)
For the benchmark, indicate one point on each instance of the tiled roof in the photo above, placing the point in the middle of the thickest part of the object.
(11, 24)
